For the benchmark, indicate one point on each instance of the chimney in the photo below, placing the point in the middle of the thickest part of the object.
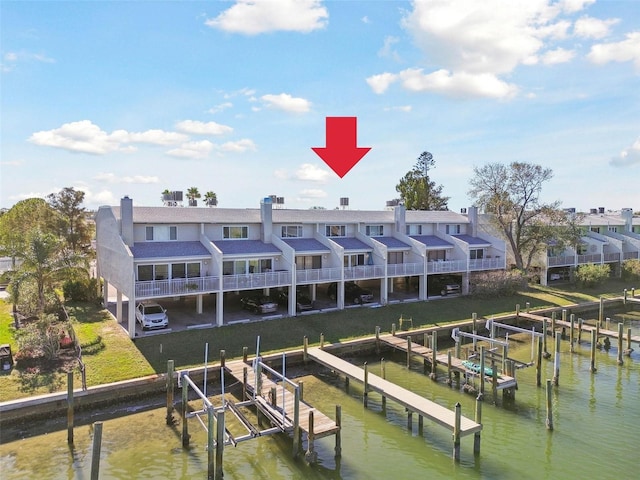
(399, 218)
(266, 217)
(126, 220)
(473, 220)
(627, 216)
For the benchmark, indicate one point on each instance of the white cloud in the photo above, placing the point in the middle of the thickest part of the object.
(625, 51)
(559, 55)
(365, 19)
(457, 84)
(286, 102)
(311, 173)
(137, 179)
(387, 50)
(252, 17)
(311, 194)
(572, 6)
(196, 150)
(238, 146)
(629, 156)
(400, 108)
(86, 137)
(589, 27)
(219, 108)
(380, 83)
(196, 127)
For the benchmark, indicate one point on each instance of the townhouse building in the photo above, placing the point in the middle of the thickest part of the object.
(607, 238)
(150, 253)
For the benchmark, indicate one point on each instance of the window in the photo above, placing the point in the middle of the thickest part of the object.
(173, 233)
(291, 231)
(595, 229)
(437, 255)
(307, 262)
(476, 254)
(242, 267)
(613, 229)
(354, 260)
(335, 231)
(452, 229)
(414, 229)
(374, 230)
(235, 232)
(153, 272)
(149, 234)
(178, 270)
(394, 257)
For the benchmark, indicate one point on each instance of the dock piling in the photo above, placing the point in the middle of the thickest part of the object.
(70, 408)
(185, 406)
(628, 351)
(219, 444)
(409, 352)
(95, 450)
(434, 349)
(478, 419)
(556, 361)
(338, 448)
(456, 432)
(620, 338)
(594, 337)
(539, 363)
(549, 421)
(170, 391)
(365, 395)
(311, 456)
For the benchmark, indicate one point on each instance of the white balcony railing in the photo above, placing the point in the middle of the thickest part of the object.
(612, 257)
(629, 255)
(486, 263)
(561, 260)
(176, 286)
(446, 266)
(404, 269)
(318, 275)
(256, 280)
(364, 271)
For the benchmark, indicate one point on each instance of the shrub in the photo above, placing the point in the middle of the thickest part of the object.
(40, 338)
(80, 290)
(592, 274)
(631, 269)
(498, 283)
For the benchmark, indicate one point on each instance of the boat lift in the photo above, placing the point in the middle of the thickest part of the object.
(492, 324)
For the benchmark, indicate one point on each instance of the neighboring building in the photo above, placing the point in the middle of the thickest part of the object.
(609, 238)
(154, 252)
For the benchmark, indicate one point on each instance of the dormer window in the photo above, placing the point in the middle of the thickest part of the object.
(335, 230)
(374, 230)
(233, 232)
(452, 229)
(291, 231)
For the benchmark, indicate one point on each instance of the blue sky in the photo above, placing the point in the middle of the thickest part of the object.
(131, 98)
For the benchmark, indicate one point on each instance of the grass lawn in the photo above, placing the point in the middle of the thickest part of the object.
(111, 356)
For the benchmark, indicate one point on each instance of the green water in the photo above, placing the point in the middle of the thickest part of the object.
(596, 428)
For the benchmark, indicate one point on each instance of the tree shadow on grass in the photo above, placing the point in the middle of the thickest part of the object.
(33, 381)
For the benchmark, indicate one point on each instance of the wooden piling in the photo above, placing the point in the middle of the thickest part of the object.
(365, 395)
(474, 319)
(311, 456)
(223, 358)
(95, 450)
(478, 419)
(494, 382)
(338, 448)
(245, 379)
(539, 363)
(449, 372)
(409, 420)
(211, 453)
(580, 323)
(220, 430)
(527, 307)
(420, 425)
(553, 325)
(573, 321)
(620, 340)
(297, 432)
(601, 312)
(549, 421)
(383, 373)
(409, 351)
(170, 391)
(322, 340)
(305, 348)
(564, 314)
(482, 370)
(434, 350)
(456, 432)
(592, 367)
(185, 406)
(245, 354)
(377, 339)
(556, 362)
(70, 408)
(628, 351)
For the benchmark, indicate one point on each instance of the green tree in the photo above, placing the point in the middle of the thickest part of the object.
(631, 269)
(510, 194)
(591, 274)
(193, 194)
(46, 262)
(418, 191)
(210, 199)
(72, 223)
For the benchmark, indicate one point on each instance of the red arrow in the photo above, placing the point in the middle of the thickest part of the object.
(341, 152)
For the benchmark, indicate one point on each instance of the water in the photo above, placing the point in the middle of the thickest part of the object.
(596, 420)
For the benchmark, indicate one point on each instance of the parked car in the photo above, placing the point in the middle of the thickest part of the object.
(303, 302)
(352, 292)
(259, 304)
(152, 315)
(450, 289)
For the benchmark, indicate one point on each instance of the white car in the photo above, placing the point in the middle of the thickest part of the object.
(152, 315)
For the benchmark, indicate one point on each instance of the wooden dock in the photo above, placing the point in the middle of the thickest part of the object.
(587, 328)
(457, 365)
(322, 425)
(411, 401)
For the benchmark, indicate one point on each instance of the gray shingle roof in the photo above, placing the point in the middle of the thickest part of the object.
(235, 247)
(305, 245)
(431, 241)
(475, 241)
(392, 243)
(142, 250)
(351, 243)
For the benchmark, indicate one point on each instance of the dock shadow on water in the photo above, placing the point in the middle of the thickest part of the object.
(593, 413)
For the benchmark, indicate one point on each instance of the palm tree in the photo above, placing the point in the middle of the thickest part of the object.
(211, 199)
(193, 194)
(166, 195)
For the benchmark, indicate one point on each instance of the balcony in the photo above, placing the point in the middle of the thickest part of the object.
(594, 258)
(405, 269)
(446, 266)
(611, 257)
(486, 263)
(629, 255)
(256, 280)
(318, 275)
(561, 261)
(364, 271)
(176, 286)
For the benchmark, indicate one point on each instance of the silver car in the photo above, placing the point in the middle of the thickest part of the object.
(152, 315)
